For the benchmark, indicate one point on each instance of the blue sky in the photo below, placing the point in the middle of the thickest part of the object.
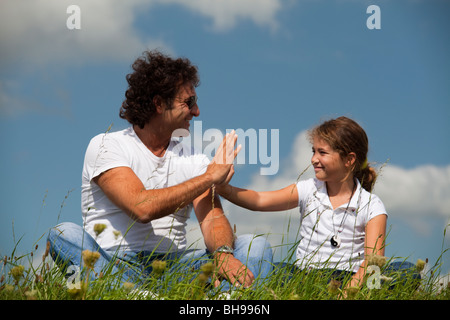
(272, 64)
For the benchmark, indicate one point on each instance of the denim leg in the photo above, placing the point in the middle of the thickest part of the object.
(193, 259)
(186, 264)
(68, 241)
(256, 253)
(253, 251)
(402, 272)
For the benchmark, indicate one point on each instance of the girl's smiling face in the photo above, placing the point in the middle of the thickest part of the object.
(328, 164)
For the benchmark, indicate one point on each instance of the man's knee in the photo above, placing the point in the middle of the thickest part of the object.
(62, 229)
(256, 253)
(62, 239)
(254, 245)
(63, 232)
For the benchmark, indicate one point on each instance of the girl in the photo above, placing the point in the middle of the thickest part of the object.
(342, 222)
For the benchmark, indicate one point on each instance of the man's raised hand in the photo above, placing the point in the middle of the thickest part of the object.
(221, 167)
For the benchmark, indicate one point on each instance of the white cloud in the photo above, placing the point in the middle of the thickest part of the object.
(34, 35)
(225, 14)
(416, 195)
(419, 191)
(35, 32)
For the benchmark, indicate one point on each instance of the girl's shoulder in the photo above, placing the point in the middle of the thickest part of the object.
(370, 204)
(309, 188)
(311, 185)
(368, 197)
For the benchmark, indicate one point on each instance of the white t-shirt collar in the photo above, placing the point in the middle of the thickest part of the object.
(322, 195)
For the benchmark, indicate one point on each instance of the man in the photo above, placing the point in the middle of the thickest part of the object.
(139, 186)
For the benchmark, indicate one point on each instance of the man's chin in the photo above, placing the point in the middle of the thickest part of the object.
(181, 132)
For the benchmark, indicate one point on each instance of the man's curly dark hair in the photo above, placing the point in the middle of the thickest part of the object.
(155, 74)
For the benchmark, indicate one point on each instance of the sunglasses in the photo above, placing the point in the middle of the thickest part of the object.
(190, 102)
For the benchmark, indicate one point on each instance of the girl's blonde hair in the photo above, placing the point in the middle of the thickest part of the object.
(344, 135)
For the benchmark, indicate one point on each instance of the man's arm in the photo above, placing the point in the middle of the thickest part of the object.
(214, 224)
(125, 189)
(217, 232)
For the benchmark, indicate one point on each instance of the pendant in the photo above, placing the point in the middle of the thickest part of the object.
(335, 241)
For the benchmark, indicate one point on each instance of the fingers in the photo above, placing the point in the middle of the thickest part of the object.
(248, 278)
(227, 179)
(243, 281)
(234, 272)
(244, 278)
(228, 147)
(239, 147)
(226, 153)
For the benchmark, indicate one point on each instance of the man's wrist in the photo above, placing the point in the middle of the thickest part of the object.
(223, 249)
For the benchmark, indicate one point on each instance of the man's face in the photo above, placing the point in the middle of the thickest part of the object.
(184, 108)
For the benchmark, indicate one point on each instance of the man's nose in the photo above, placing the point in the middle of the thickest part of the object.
(195, 110)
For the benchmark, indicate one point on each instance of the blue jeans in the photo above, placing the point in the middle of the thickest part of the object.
(68, 240)
(402, 271)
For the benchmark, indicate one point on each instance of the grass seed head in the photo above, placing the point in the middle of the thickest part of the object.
(17, 272)
(31, 295)
(375, 259)
(333, 286)
(47, 250)
(202, 277)
(128, 286)
(99, 228)
(352, 292)
(8, 287)
(158, 266)
(117, 234)
(420, 265)
(77, 293)
(90, 258)
(207, 268)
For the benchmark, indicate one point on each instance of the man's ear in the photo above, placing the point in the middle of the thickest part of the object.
(159, 104)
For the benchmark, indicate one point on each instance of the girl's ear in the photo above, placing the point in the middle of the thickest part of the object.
(350, 160)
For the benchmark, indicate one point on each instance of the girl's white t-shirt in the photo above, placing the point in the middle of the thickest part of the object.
(124, 149)
(319, 222)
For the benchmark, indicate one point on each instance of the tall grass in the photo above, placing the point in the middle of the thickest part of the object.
(32, 277)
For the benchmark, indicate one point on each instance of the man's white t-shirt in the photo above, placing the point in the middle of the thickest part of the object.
(320, 222)
(125, 149)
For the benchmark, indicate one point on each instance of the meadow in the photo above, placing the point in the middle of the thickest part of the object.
(32, 277)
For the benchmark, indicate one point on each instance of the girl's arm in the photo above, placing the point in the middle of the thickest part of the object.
(279, 200)
(374, 244)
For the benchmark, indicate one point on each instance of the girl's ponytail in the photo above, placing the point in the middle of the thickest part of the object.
(366, 176)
